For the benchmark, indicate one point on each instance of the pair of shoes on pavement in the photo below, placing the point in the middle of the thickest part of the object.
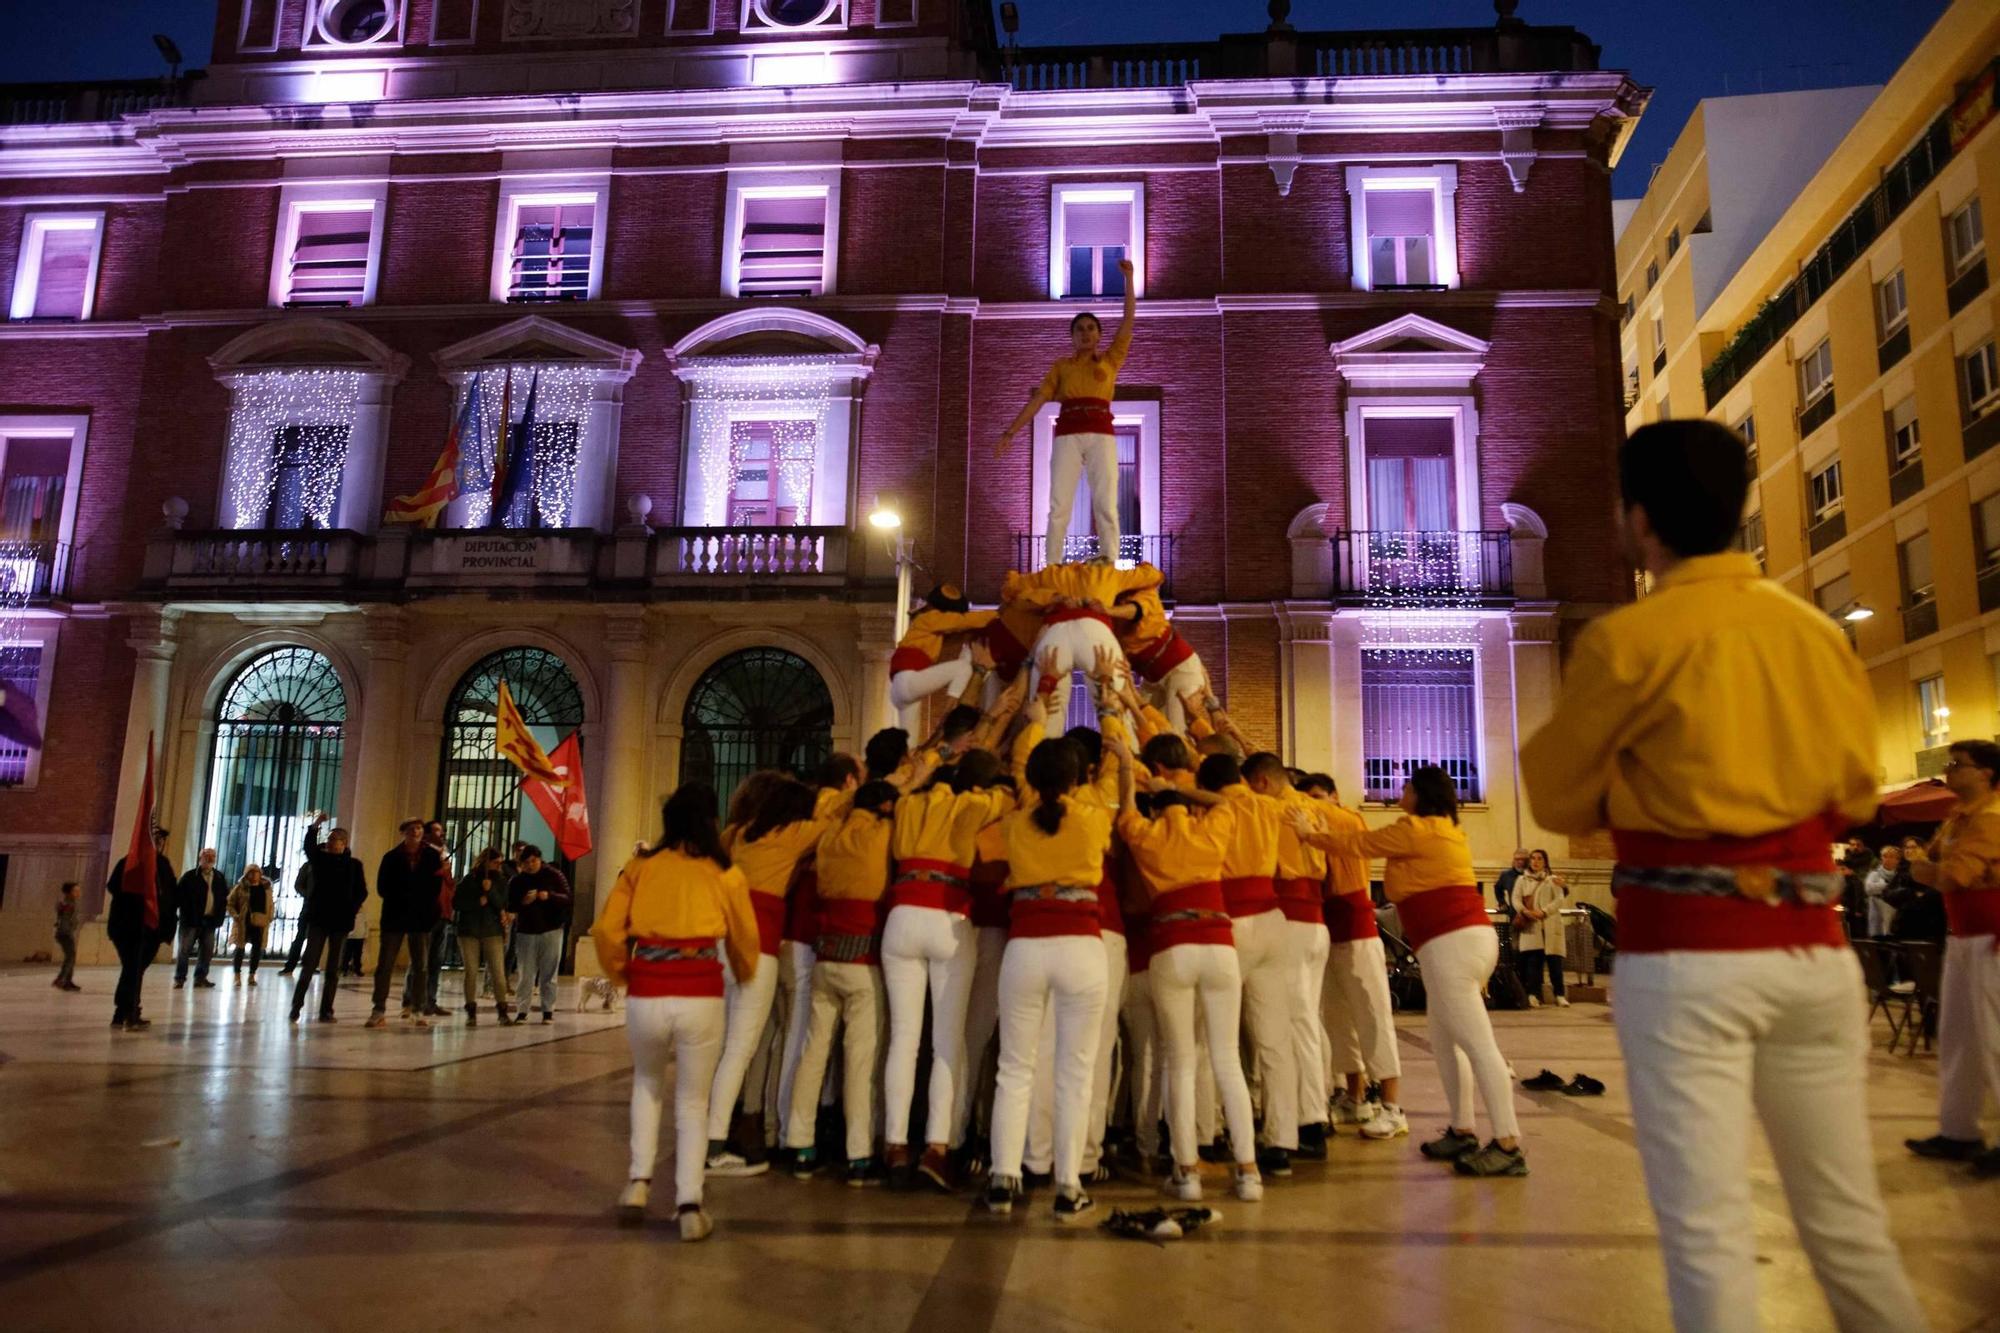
(1583, 1085)
(725, 1163)
(1385, 1121)
(1469, 1159)
(1159, 1223)
(694, 1223)
(1984, 1161)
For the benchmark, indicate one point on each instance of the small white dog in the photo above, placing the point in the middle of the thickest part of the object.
(599, 988)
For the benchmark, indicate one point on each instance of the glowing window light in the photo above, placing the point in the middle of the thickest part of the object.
(780, 389)
(562, 397)
(310, 414)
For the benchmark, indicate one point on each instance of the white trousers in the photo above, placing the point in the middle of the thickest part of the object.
(926, 951)
(688, 1031)
(1267, 954)
(1065, 972)
(1075, 644)
(1041, 1108)
(909, 689)
(982, 1021)
(794, 1008)
(1360, 1025)
(1709, 1038)
(1203, 977)
(1309, 943)
(1190, 677)
(1142, 1065)
(749, 1009)
(1455, 967)
(1095, 457)
(847, 996)
(1968, 1034)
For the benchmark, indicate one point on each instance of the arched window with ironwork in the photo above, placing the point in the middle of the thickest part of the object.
(279, 731)
(479, 792)
(758, 708)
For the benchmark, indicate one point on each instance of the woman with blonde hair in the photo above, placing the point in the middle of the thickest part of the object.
(249, 908)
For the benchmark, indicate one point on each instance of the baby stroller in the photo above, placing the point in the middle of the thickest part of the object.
(1604, 926)
(1406, 974)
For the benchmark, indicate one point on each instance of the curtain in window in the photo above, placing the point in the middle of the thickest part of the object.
(31, 508)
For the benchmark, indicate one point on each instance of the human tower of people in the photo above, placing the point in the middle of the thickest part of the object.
(1008, 875)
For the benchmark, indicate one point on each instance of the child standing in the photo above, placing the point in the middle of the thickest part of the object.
(66, 936)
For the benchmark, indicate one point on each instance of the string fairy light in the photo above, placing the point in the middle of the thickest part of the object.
(290, 421)
(1420, 626)
(794, 393)
(563, 395)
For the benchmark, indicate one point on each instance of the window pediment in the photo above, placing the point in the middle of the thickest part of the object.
(1411, 352)
(537, 338)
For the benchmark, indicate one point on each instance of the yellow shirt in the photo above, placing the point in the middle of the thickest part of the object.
(929, 629)
(768, 862)
(1150, 627)
(1253, 843)
(943, 825)
(1299, 860)
(1077, 583)
(668, 896)
(1101, 791)
(1092, 375)
(1719, 705)
(1345, 873)
(1179, 848)
(1420, 852)
(853, 860)
(1965, 853)
(1075, 855)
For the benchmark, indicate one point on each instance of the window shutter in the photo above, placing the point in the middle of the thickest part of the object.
(552, 250)
(1400, 212)
(1097, 224)
(329, 265)
(1418, 708)
(783, 247)
(64, 272)
(20, 669)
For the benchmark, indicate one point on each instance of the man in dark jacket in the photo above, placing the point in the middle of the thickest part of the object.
(137, 943)
(200, 900)
(302, 889)
(434, 837)
(539, 897)
(409, 882)
(336, 889)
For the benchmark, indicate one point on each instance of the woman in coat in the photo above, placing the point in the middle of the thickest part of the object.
(249, 908)
(479, 913)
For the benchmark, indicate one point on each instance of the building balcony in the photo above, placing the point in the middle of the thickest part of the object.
(1892, 349)
(1031, 552)
(1989, 588)
(33, 571)
(1966, 286)
(1423, 569)
(1981, 432)
(1826, 531)
(1907, 480)
(1816, 413)
(1920, 620)
(108, 99)
(397, 562)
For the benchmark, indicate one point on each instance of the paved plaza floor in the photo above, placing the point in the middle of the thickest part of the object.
(227, 1170)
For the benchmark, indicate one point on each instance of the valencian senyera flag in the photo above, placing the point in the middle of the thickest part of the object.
(447, 479)
(519, 748)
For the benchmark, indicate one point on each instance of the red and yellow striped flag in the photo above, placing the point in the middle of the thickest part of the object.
(519, 748)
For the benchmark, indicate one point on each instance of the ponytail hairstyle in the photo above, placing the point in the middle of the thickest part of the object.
(1054, 768)
(788, 802)
(687, 824)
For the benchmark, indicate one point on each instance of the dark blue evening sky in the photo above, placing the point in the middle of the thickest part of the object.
(1685, 49)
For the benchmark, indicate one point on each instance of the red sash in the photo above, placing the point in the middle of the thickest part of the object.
(910, 659)
(1008, 652)
(692, 978)
(932, 888)
(802, 910)
(1085, 416)
(1299, 900)
(1153, 664)
(1805, 848)
(769, 909)
(1064, 614)
(1040, 918)
(1350, 917)
(1110, 916)
(1250, 895)
(1199, 917)
(1653, 922)
(1973, 912)
(1436, 912)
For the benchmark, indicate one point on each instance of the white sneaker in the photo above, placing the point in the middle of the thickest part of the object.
(632, 1203)
(1562, 1001)
(1186, 1188)
(1342, 1109)
(730, 1164)
(695, 1225)
(1534, 1002)
(1388, 1122)
(1248, 1188)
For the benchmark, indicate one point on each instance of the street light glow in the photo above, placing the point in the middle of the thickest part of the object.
(886, 516)
(1856, 615)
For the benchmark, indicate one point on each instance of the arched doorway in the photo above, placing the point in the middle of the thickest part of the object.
(279, 729)
(758, 708)
(479, 795)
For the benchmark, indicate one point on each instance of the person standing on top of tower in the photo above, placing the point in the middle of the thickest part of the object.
(1084, 383)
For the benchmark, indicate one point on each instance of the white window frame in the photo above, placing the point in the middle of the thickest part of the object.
(1370, 644)
(516, 193)
(40, 632)
(1915, 596)
(310, 197)
(1887, 323)
(820, 182)
(751, 21)
(73, 429)
(1823, 386)
(1658, 327)
(1986, 355)
(391, 39)
(1464, 417)
(35, 229)
(1958, 263)
(1130, 193)
(1441, 179)
(1901, 456)
(1933, 717)
(1746, 430)
(1835, 505)
(1139, 412)
(1985, 541)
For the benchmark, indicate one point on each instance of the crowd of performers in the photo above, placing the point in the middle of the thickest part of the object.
(1008, 877)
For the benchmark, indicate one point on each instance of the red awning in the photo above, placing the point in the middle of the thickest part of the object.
(1925, 803)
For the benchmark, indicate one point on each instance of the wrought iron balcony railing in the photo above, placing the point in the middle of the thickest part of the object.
(33, 571)
(1031, 552)
(1431, 569)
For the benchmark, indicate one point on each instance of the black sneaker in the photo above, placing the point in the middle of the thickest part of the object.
(295, 1015)
(203, 983)
(1583, 1085)
(863, 1173)
(1275, 1163)
(1492, 1160)
(1312, 1143)
(1546, 1081)
(999, 1196)
(1942, 1149)
(1449, 1146)
(805, 1163)
(138, 1024)
(1070, 1205)
(1986, 1166)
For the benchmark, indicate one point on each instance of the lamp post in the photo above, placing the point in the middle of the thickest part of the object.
(887, 519)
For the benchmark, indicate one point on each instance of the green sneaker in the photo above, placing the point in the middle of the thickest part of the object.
(1492, 1160)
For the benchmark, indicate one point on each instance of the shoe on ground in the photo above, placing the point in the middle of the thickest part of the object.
(1186, 1188)
(1247, 1186)
(1274, 1162)
(1342, 1109)
(805, 1163)
(420, 1021)
(1546, 1081)
(1562, 1001)
(378, 1019)
(1073, 1204)
(203, 983)
(472, 1016)
(1986, 1166)
(935, 1167)
(1450, 1146)
(1583, 1085)
(295, 1015)
(1101, 1174)
(1939, 1148)
(71, 986)
(722, 1162)
(138, 1024)
(1000, 1192)
(433, 1011)
(407, 1014)
(548, 1018)
(1312, 1143)
(328, 1018)
(632, 1203)
(180, 982)
(1534, 1002)
(1388, 1122)
(863, 1173)
(1492, 1160)
(695, 1224)
(253, 981)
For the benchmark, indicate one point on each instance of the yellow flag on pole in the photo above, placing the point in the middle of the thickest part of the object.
(519, 748)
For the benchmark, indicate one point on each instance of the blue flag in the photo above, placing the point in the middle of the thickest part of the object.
(517, 499)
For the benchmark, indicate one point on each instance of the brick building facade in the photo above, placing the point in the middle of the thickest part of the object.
(771, 264)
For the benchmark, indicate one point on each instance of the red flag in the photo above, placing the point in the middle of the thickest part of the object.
(563, 806)
(141, 860)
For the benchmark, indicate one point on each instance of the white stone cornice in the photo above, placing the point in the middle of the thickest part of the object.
(532, 339)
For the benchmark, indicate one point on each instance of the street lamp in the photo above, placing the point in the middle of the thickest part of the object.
(1856, 614)
(887, 519)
